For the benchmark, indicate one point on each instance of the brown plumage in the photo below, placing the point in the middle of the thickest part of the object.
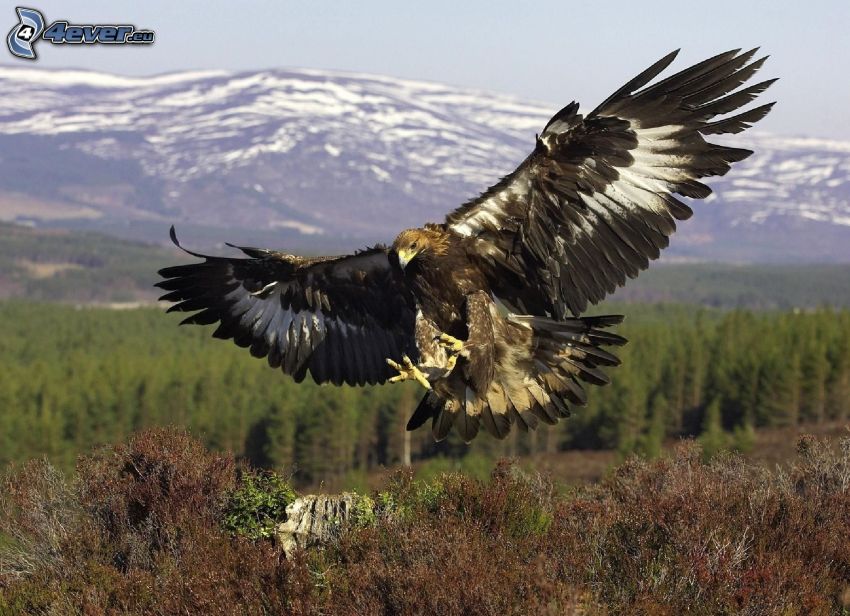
(590, 206)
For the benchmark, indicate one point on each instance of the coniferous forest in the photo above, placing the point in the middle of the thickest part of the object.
(75, 378)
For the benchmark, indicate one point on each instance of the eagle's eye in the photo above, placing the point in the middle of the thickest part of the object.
(413, 246)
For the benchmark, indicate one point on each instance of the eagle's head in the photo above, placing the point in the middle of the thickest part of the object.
(419, 243)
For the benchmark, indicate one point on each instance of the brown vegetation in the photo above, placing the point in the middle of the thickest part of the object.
(140, 530)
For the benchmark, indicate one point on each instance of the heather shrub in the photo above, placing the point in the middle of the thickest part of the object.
(159, 525)
(38, 509)
(140, 531)
(671, 536)
(147, 495)
(679, 535)
(455, 545)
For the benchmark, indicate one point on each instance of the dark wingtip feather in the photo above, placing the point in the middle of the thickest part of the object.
(173, 234)
(167, 272)
(643, 78)
(731, 155)
(565, 112)
(747, 55)
(604, 320)
(163, 272)
(204, 317)
(737, 123)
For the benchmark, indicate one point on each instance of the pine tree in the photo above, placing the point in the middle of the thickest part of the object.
(813, 383)
(652, 439)
(713, 438)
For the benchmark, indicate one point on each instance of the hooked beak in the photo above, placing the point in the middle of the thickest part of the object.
(405, 256)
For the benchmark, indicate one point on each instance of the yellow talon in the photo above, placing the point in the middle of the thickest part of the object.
(407, 371)
(450, 365)
(451, 344)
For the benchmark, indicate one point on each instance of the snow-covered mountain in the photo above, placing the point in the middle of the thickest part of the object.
(310, 157)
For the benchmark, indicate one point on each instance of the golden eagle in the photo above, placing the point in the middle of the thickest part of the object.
(591, 205)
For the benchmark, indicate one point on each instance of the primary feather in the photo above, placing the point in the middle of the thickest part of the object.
(595, 201)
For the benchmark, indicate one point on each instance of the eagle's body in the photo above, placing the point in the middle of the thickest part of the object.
(482, 310)
(441, 275)
(504, 361)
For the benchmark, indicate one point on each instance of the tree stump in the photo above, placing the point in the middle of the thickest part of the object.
(315, 519)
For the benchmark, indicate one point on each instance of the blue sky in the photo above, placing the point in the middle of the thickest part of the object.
(548, 51)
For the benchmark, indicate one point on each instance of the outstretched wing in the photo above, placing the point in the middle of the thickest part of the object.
(338, 317)
(594, 203)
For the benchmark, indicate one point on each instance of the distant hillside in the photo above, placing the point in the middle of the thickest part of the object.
(297, 156)
(84, 267)
(77, 266)
(741, 286)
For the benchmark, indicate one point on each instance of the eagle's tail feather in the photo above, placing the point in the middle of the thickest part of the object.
(563, 354)
(537, 386)
(568, 352)
(466, 417)
(428, 407)
(444, 419)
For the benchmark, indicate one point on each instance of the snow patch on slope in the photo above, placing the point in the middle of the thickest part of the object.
(338, 152)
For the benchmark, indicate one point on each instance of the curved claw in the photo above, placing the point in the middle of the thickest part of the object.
(407, 372)
(450, 343)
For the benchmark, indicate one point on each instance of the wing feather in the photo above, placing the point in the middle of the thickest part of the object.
(337, 318)
(594, 202)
